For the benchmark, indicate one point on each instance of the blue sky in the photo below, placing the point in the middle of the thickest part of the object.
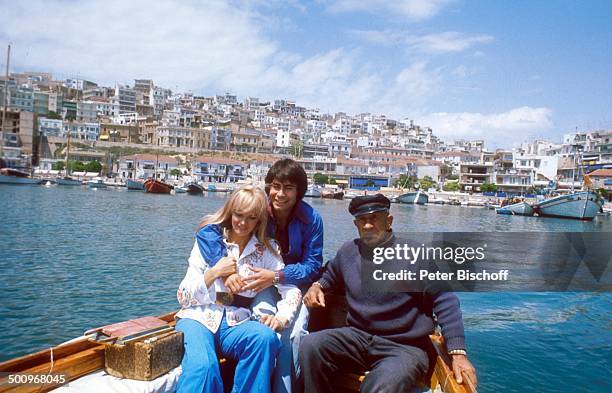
(502, 71)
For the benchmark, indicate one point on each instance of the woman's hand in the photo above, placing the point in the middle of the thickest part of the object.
(225, 267)
(262, 279)
(273, 322)
(234, 283)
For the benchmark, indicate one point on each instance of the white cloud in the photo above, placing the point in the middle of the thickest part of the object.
(411, 9)
(450, 41)
(446, 42)
(498, 129)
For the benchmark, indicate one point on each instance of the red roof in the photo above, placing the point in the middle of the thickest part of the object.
(151, 157)
(601, 173)
(218, 160)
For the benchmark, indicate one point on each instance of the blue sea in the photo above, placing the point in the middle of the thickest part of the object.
(76, 258)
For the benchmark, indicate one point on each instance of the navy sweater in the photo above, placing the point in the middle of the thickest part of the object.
(403, 317)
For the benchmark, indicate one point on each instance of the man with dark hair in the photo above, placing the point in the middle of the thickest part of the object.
(298, 228)
(387, 332)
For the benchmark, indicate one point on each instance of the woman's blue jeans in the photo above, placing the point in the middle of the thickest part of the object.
(253, 345)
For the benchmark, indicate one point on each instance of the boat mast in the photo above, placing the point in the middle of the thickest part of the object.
(67, 171)
(8, 59)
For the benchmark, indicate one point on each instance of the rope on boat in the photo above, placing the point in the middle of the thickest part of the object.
(50, 370)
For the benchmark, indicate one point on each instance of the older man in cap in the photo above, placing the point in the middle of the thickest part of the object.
(387, 332)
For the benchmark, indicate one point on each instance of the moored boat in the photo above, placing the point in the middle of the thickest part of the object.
(157, 187)
(68, 181)
(134, 185)
(414, 198)
(195, 189)
(521, 209)
(312, 192)
(96, 182)
(327, 194)
(582, 205)
(180, 190)
(14, 176)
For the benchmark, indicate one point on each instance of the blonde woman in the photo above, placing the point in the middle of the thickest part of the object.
(216, 311)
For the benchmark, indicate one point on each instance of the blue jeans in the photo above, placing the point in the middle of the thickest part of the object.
(253, 345)
(287, 366)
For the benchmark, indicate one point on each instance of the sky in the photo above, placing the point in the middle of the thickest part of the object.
(502, 71)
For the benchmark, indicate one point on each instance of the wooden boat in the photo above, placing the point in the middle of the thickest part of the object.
(414, 198)
(14, 176)
(81, 356)
(195, 189)
(134, 185)
(582, 205)
(157, 187)
(327, 194)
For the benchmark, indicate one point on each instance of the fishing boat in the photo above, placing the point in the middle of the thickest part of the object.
(312, 192)
(96, 182)
(134, 185)
(329, 194)
(157, 187)
(180, 190)
(520, 209)
(414, 198)
(195, 189)
(582, 205)
(154, 186)
(81, 362)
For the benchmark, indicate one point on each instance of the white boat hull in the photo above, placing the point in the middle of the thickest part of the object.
(414, 198)
(580, 205)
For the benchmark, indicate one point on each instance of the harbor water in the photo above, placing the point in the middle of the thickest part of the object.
(76, 258)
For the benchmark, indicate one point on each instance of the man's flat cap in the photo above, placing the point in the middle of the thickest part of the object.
(369, 204)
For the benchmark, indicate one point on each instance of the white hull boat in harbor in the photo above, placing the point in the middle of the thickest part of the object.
(583, 205)
(96, 182)
(414, 198)
(519, 209)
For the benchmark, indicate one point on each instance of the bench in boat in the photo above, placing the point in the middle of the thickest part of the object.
(81, 356)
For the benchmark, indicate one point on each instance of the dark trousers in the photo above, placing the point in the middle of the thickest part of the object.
(393, 367)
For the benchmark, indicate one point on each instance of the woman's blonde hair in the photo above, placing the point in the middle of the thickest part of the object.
(245, 200)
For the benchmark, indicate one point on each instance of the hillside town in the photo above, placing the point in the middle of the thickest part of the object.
(143, 130)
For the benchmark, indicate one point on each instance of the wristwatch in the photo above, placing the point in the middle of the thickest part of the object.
(276, 277)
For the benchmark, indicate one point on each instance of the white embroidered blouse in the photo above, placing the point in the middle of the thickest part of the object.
(198, 301)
